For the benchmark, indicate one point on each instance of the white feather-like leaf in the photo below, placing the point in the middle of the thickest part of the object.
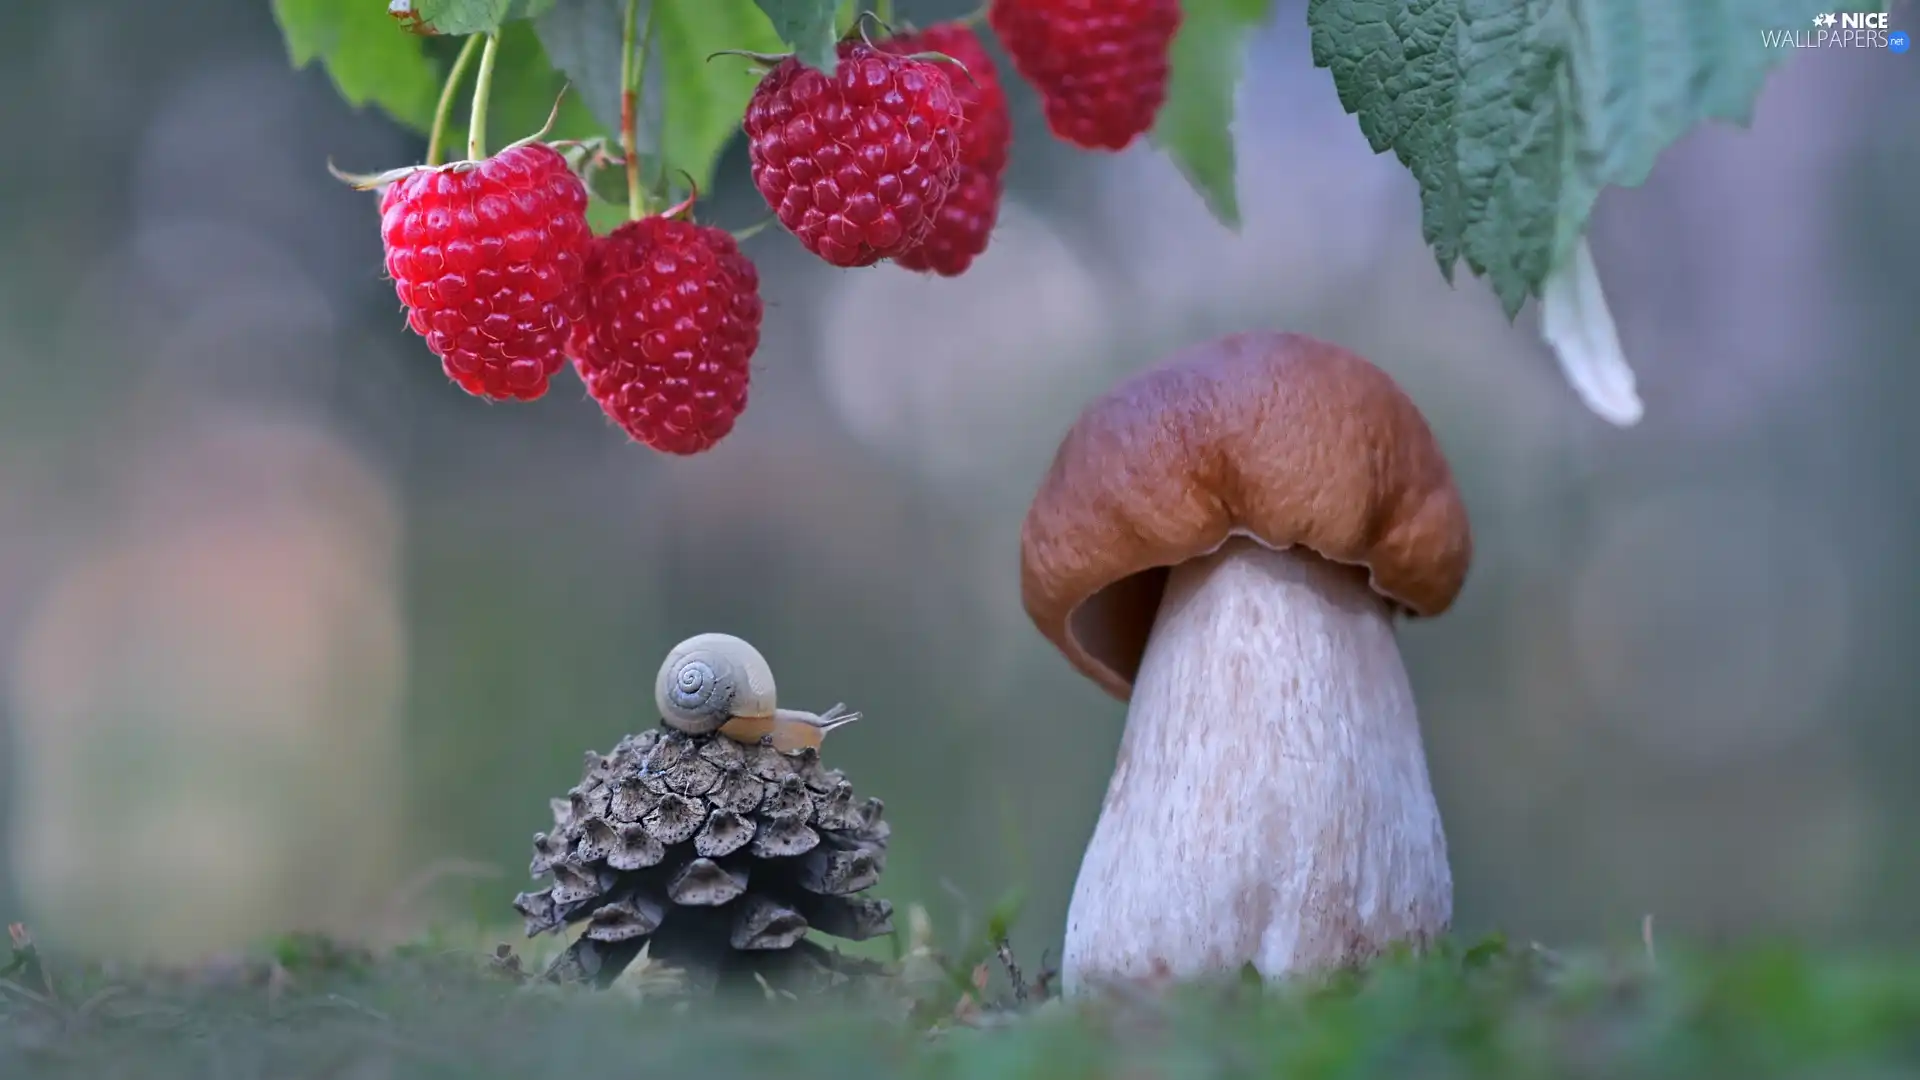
(1577, 325)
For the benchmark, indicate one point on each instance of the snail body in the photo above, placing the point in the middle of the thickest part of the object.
(718, 682)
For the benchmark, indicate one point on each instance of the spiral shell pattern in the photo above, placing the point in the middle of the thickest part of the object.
(710, 679)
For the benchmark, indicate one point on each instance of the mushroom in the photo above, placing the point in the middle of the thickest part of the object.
(1223, 542)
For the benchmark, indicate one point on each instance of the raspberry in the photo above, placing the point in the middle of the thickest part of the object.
(855, 165)
(987, 130)
(961, 229)
(1100, 65)
(964, 223)
(488, 259)
(672, 319)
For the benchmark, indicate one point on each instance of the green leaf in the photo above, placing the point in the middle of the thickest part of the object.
(1195, 126)
(371, 60)
(702, 103)
(1486, 951)
(604, 216)
(455, 18)
(458, 18)
(1513, 114)
(807, 26)
(1396, 67)
(1005, 912)
(582, 38)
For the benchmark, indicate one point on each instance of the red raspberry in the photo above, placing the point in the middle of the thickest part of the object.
(487, 258)
(987, 130)
(857, 165)
(964, 223)
(1100, 65)
(961, 229)
(673, 317)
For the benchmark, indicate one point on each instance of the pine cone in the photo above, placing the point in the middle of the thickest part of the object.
(721, 857)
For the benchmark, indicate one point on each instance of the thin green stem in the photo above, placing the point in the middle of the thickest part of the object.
(883, 10)
(444, 109)
(482, 89)
(633, 68)
(640, 92)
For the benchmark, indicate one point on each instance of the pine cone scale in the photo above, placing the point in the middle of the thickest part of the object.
(636, 916)
(762, 924)
(705, 883)
(724, 833)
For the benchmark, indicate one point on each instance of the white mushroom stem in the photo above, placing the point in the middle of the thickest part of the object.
(1270, 802)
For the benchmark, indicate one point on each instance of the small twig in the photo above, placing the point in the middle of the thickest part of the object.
(767, 989)
(1646, 939)
(1043, 982)
(36, 998)
(1005, 952)
(507, 962)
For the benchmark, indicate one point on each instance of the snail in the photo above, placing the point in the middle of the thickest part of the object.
(717, 682)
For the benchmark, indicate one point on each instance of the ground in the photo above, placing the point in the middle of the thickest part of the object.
(307, 1008)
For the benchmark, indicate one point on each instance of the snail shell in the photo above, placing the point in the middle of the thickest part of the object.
(711, 678)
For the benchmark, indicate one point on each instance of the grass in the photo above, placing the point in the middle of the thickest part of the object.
(309, 1008)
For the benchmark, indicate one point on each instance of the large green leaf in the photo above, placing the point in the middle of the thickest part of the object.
(807, 26)
(1195, 126)
(370, 58)
(703, 102)
(1514, 114)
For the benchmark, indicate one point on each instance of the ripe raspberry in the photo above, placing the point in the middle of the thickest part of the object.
(855, 165)
(673, 317)
(986, 131)
(961, 229)
(487, 258)
(1100, 65)
(964, 223)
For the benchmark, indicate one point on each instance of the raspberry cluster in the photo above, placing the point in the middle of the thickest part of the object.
(900, 154)
(487, 257)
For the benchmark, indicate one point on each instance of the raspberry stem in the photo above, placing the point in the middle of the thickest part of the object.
(441, 111)
(482, 90)
(634, 46)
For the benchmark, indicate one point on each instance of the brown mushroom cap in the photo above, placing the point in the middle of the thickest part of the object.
(1279, 437)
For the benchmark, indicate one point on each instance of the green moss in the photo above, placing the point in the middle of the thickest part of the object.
(306, 1008)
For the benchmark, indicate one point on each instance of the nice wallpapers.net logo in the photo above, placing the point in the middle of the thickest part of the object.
(1843, 30)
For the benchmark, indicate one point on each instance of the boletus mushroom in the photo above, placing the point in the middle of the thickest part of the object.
(1223, 542)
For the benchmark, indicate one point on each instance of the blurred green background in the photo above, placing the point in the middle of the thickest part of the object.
(289, 625)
